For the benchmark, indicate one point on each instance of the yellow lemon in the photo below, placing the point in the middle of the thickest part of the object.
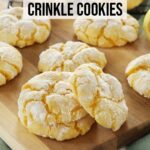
(147, 24)
(133, 3)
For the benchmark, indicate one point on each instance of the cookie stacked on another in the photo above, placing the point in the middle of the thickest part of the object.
(101, 95)
(63, 105)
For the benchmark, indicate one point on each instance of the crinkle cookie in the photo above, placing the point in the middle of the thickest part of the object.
(20, 32)
(133, 3)
(107, 33)
(101, 95)
(68, 56)
(48, 107)
(10, 63)
(138, 75)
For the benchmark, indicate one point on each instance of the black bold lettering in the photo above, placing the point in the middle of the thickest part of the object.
(119, 7)
(30, 13)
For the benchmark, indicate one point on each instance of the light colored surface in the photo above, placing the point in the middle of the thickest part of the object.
(3, 4)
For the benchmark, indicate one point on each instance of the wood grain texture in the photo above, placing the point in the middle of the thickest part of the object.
(138, 122)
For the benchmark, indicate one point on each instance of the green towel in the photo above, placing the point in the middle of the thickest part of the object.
(3, 145)
(141, 144)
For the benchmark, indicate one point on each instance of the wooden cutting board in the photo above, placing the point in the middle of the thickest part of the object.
(137, 124)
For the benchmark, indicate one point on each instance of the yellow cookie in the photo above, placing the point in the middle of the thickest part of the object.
(100, 95)
(107, 33)
(68, 56)
(138, 75)
(147, 24)
(10, 62)
(49, 108)
(21, 32)
(133, 3)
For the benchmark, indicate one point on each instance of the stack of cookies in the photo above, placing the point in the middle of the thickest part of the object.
(72, 91)
(71, 94)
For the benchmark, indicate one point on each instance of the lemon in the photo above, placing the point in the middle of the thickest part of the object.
(133, 3)
(147, 24)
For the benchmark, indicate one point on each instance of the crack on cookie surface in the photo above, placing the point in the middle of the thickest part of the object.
(52, 91)
(85, 34)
